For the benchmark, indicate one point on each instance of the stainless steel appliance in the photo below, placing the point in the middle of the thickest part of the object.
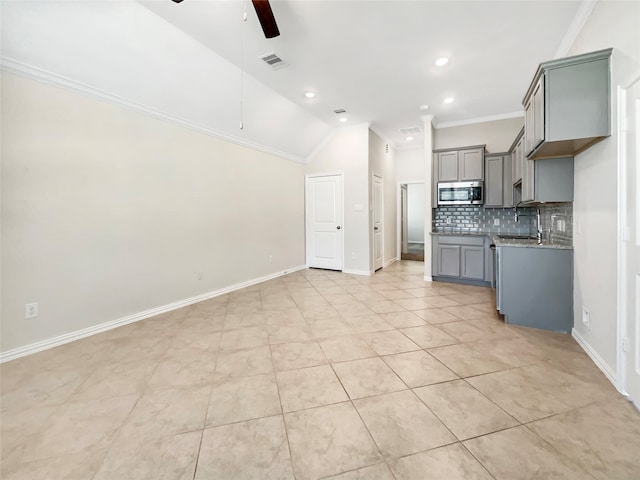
(461, 193)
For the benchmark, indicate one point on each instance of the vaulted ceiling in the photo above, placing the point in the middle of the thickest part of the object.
(192, 62)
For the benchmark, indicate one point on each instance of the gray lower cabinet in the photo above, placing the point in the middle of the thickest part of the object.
(448, 260)
(534, 287)
(472, 262)
(461, 258)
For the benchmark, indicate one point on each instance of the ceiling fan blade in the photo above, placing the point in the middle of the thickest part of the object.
(266, 18)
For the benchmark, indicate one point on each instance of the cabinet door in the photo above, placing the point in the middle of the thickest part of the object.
(517, 161)
(471, 165)
(449, 260)
(507, 182)
(528, 180)
(528, 127)
(448, 166)
(494, 184)
(472, 264)
(538, 114)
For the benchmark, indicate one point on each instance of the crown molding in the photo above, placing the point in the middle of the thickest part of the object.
(34, 73)
(583, 13)
(472, 121)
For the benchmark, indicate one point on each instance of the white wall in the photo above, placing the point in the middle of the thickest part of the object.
(415, 212)
(611, 24)
(107, 212)
(383, 163)
(347, 150)
(410, 165)
(498, 135)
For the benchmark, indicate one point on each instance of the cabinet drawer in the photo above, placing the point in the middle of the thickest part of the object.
(460, 240)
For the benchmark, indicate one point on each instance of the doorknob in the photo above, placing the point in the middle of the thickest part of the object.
(338, 227)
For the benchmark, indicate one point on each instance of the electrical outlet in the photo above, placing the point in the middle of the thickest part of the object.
(199, 276)
(586, 318)
(31, 310)
(270, 258)
(353, 255)
(496, 222)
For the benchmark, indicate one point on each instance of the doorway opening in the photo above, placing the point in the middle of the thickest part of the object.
(412, 215)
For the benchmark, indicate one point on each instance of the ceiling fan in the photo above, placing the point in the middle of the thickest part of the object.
(265, 16)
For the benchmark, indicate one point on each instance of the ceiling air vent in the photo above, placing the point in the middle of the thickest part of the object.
(339, 111)
(273, 60)
(410, 131)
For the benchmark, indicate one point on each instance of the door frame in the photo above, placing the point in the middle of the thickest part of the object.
(623, 208)
(373, 219)
(399, 217)
(306, 220)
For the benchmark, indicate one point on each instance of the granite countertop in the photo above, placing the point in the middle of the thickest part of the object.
(527, 243)
(465, 233)
(506, 242)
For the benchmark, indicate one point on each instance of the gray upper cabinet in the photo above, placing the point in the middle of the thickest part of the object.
(494, 180)
(459, 165)
(447, 166)
(470, 164)
(498, 185)
(568, 105)
(548, 180)
(517, 155)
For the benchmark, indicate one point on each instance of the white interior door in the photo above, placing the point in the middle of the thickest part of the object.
(324, 221)
(631, 245)
(404, 218)
(378, 224)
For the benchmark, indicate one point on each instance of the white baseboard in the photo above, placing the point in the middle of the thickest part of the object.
(358, 272)
(428, 278)
(393, 260)
(111, 324)
(597, 359)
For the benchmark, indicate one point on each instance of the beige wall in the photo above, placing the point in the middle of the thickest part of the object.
(382, 163)
(347, 151)
(498, 135)
(107, 212)
(611, 24)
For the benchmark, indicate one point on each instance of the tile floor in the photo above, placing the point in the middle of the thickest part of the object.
(319, 375)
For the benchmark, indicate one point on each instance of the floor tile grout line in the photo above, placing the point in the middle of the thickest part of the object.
(284, 422)
(486, 468)
(558, 451)
(195, 467)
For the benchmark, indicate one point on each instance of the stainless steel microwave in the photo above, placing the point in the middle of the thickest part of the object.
(461, 193)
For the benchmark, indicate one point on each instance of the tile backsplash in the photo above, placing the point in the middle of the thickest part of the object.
(477, 219)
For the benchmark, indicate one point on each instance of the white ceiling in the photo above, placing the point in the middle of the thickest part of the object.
(373, 58)
(376, 58)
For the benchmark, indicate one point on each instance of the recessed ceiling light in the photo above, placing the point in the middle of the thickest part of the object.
(409, 139)
(309, 94)
(442, 61)
(342, 119)
(448, 100)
